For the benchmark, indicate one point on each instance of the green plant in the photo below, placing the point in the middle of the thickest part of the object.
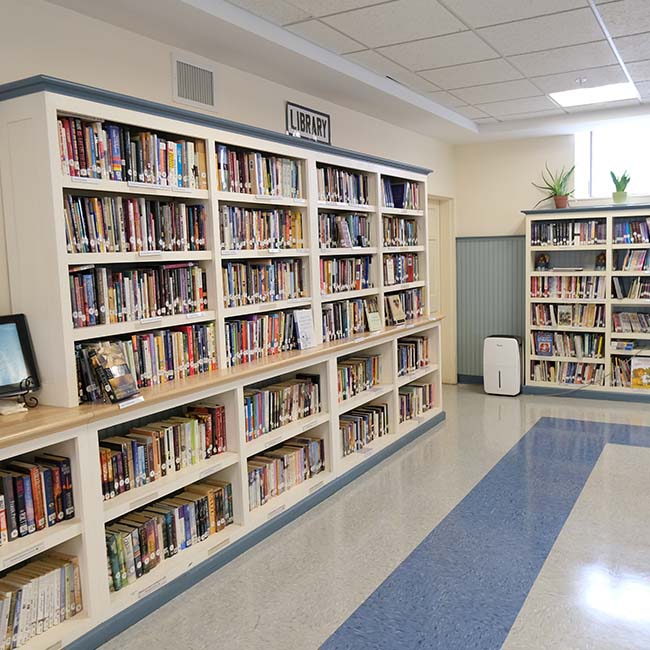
(555, 184)
(620, 183)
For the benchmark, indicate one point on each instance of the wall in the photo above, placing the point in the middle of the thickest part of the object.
(47, 39)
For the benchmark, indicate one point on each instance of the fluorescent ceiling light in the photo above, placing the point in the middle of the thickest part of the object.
(597, 95)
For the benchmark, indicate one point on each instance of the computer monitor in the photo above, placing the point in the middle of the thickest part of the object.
(16, 356)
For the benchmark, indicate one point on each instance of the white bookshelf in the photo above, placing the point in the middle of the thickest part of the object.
(584, 255)
(33, 185)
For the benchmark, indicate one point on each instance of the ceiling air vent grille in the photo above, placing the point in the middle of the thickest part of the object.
(193, 84)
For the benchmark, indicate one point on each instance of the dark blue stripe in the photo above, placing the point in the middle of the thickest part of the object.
(464, 585)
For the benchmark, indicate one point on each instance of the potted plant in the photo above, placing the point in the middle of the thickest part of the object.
(620, 196)
(557, 187)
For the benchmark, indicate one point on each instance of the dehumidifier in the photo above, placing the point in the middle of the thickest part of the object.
(502, 365)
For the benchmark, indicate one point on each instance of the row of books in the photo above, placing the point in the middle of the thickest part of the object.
(626, 321)
(345, 274)
(363, 425)
(579, 345)
(95, 149)
(632, 289)
(342, 186)
(399, 231)
(621, 373)
(403, 305)
(259, 335)
(255, 229)
(415, 399)
(568, 372)
(37, 596)
(400, 268)
(343, 230)
(283, 467)
(251, 283)
(568, 315)
(253, 172)
(568, 233)
(568, 286)
(149, 359)
(412, 354)
(346, 318)
(632, 260)
(36, 494)
(271, 407)
(632, 231)
(357, 374)
(103, 294)
(152, 451)
(117, 224)
(142, 539)
(400, 194)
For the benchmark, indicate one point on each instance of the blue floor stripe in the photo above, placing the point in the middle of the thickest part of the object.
(464, 584)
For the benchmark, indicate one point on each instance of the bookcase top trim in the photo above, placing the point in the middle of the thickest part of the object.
(614, 207)
(45, 83)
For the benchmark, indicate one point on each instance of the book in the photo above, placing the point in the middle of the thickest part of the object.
(640, 373)
(112, 371)
(544, 344)
(304, 328)
(564, 315)
(396, 309)
(372, 315)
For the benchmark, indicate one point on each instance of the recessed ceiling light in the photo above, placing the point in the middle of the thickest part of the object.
(597, 95)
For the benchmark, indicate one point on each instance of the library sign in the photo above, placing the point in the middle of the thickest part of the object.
(308, 123)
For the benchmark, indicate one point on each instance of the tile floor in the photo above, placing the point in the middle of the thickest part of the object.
(545, 545)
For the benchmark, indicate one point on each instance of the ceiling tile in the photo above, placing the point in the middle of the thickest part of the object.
(534, 115)
(644, 89)
(639, 71)
(396, 22)
(626, 17)
(544, 33)
(471, 111)
(513, 106)
(278, 12)
(446, 99)
(491, 12)
(385, 67)
(603, 106)
(498, 92)
(486, 120)
(441, 51)
(320, 8)
(633, 48)
(554, 83)
(565, 59)
(325, 36)
(472, 74)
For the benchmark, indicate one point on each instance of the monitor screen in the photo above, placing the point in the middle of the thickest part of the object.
(12, 362)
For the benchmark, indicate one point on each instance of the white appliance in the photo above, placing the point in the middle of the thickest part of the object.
(502, 365)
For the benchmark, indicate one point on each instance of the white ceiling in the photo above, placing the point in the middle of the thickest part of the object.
(489, 61)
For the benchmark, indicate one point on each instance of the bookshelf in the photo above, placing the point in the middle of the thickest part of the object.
(589, 298)
(274, 228)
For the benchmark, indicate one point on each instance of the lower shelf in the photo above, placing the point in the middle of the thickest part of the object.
(62, 634)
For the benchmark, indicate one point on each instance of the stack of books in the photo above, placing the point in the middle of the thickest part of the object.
(363, 425)
(401, 268)
(568, 233)
(403, 305)
(259, 229)
(412, 354)
(568, 372)
(625, 321)
(399, 231)
(632, 231)
(571, 287)
(633, 260)
(357, 374)
(399, 193)
(346, 318)
(345, 274)
(342, 186)
(415, 399)
(343, 230)
(568, 315)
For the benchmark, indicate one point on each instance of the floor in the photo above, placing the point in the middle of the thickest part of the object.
(518, 523)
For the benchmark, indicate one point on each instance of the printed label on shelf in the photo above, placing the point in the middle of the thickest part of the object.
(57, 645)
(152, 319)
(152, 587)
(84, 179)
(23, 555)
(365, 451)
(229, 252)
(273, 251)
(275, 441)
(313, 488)
(273, 197)
(194, 314)
(210, 470)
(275, 512)
(130, 402)
(149, 253)
(218, 546)
(176, 188)
(140, 502)
(409, 327)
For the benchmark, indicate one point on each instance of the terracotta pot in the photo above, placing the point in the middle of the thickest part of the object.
(561, 201)
(619, 197)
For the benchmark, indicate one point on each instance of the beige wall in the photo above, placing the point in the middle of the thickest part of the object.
(493, 182)
(45, 39)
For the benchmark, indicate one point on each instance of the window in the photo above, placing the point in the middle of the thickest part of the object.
(616, 147)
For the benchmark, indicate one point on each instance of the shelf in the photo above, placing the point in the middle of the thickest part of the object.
(131, 327)
(404, 286)
(568, 387)
(227, 255)
(567, 328)
(347, 207)
(583, 247)
(142, 257)
(278, 436)
(63, 634)
(123, 187)
(550, 274)
(138, 497)
(539, 357)
(630, 273)
(363, 397)
(630, 335)
(402, 380)
(23, 548)
(617, 247)
(570, 301)
(346, 295)
(346, 463)
(630, 353)
(404, 212)
(355, 250)
(278, 305)
(259, 199)
(174, 567)
(409, 425)
(643, 302)
(402, 249)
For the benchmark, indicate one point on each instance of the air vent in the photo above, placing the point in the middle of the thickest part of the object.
(193, 84)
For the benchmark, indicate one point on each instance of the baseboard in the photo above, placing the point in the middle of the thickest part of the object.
(470, 379)
(584, 393)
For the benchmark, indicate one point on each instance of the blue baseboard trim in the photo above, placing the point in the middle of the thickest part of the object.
(470, 379)
(40, 83)
(120, 622)
(585, 393)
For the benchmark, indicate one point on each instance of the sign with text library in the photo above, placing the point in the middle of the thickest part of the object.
(307, 123)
